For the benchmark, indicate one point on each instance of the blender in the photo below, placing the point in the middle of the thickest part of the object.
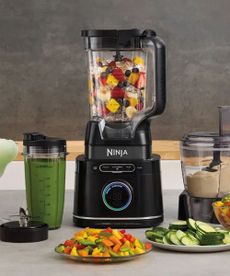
(205, 162)
(118, 182)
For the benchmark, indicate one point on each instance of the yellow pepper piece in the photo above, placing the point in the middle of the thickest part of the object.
(133, 78)
(111, 80)
(219, 203)
(117, 234)
(133, 101)
(137, 243)
(138, 60)
(74, 252)
(113, 105)
(138, 250)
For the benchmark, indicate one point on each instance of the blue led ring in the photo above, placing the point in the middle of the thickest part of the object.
(112, 185)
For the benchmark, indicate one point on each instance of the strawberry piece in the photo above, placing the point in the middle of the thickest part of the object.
(139, 106)
(112, 64)
(117, 92)
(118, 74)
(141, 82)
(148, 245)
(126, 60)
(79, 246)
(122, 231)
(103, 80)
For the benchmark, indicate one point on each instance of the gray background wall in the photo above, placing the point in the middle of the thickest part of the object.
(43, 83)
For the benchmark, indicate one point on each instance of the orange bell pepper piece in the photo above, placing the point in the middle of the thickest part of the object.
(107, 242)
(115, 240)
(83, 253)
(116, 248)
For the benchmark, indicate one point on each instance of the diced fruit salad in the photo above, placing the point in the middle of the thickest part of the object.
(103, 243)
(189, 233)
(117, 87)
(222, 211)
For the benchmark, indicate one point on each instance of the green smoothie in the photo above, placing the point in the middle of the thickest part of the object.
(45, 189)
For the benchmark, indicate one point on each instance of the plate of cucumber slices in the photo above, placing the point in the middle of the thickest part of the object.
(190, 236)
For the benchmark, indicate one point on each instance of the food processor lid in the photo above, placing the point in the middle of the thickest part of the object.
(115, 39)
(36, 139)
(206, 140)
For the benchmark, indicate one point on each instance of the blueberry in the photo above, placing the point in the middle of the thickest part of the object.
(103, 75)
(126, 102)
(125, 83)
(127, 73)
(120, 84)
(120, 101)
(109, 70)
(135, 70)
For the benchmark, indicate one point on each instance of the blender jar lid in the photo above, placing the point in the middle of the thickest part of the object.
(205, 140)
(115, 39)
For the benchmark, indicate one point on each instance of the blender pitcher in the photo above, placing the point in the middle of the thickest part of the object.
(126, 79)
(44, 159)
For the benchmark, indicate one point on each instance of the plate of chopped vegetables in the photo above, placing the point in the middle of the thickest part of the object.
(190, 236)
(103, 246)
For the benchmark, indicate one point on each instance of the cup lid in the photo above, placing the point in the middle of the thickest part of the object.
(37, 139)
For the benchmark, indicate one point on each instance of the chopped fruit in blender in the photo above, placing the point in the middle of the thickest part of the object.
(127, 73)
(138, 61)
(135, 70)
(133, 101)
(141, 81)
(104, 95)
(111, 80)
(130, 111)
(113, 106)
(117, 92)
(95, 244)
(118, 74)
(118, 79)
(133, 78)
(139, 106)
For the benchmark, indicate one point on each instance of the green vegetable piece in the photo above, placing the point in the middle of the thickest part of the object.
(226, 239)
(124, 249)
(86, 243)
(60, 248)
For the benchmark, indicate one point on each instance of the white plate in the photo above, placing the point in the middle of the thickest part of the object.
(195, 248)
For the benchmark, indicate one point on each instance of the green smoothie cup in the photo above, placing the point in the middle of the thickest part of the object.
(45, 164)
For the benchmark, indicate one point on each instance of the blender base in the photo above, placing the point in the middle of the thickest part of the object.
(196, 208)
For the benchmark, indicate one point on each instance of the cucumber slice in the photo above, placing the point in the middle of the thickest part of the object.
(222, 230)
(194, 239)
(159, 229)
(199, 235)
(159, 240)
(178, 225)
(180, 234)
(226, 239)
(212, 238)
(167, 237)
(204, 227)
(191, 224)
(187, 241)
(165, 241)
(153, 235)
(191, 232)
(174, 239)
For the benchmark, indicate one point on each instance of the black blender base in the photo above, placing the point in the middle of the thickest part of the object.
(196, 208)
(143, 223)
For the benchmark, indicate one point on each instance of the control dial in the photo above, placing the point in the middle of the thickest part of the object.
(117, 195)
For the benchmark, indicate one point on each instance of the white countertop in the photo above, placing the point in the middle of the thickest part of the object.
(40, 258)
